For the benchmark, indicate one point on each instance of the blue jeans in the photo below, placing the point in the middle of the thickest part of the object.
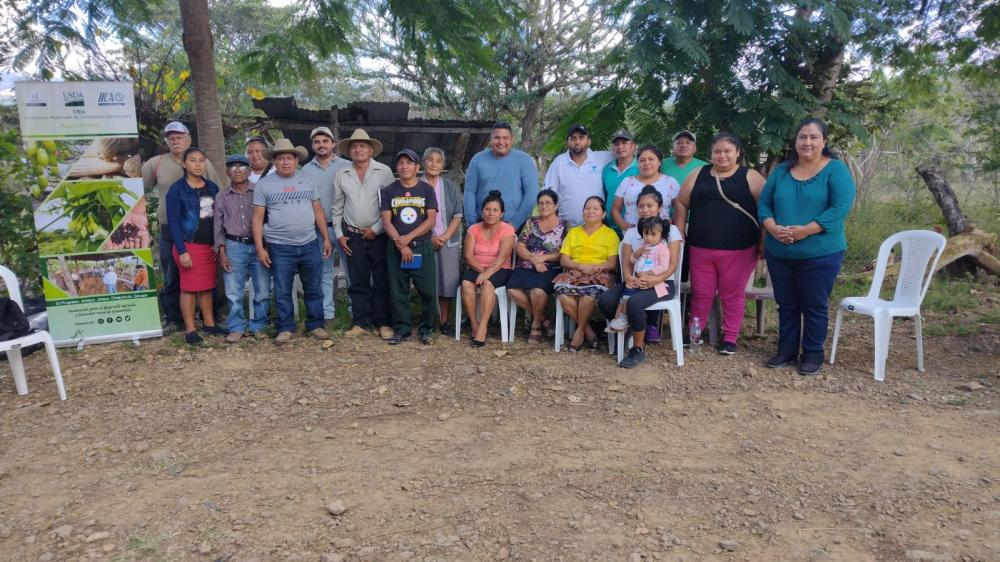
(170, 292)
(330, 307)
(244, 263)
(111, 288)
(307, 261)
(802, 290)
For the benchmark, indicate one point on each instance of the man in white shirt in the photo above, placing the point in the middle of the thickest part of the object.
(576, 174)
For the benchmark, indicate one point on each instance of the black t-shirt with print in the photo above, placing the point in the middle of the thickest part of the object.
(205, 234)
(409, 206)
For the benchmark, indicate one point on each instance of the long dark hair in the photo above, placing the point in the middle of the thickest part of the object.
(731, 139)
(794, 156)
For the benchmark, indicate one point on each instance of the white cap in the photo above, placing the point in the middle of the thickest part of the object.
(175, 127)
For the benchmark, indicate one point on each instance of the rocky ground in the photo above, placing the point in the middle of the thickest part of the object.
(362, 451)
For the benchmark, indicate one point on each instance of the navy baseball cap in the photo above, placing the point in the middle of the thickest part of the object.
(409, 153)
(578, 128)
(237, 159)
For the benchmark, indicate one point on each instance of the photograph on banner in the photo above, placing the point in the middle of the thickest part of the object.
(85, 275)
(103, 158)
(89, 215)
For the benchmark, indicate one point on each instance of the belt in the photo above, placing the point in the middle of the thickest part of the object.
(243, 239)
(354, 229)
(329, 223)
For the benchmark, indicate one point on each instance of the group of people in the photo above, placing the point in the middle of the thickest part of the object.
(606, 232)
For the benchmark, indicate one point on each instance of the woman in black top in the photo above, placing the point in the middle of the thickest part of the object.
(723, 234)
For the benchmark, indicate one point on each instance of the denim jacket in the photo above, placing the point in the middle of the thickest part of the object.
(183, 205)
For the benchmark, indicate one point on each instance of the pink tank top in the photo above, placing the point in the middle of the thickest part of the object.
(486, 251)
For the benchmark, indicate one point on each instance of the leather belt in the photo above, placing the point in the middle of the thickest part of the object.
(354, 229)
(243, 239)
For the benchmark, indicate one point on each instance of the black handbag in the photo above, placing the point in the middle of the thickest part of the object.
(13, 322)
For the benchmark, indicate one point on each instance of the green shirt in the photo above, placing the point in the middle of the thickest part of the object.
(825, 198)
(679, 173)
(612, 179)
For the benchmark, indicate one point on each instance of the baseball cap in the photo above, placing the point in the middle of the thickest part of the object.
(237, 159)
(578, 128)
(411, 154)
(321, 131)
(622, 135)
(175, 127)
(686, 133)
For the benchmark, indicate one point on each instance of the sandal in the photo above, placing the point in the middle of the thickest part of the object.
(550, 329)
(535, 336)
(593, 344)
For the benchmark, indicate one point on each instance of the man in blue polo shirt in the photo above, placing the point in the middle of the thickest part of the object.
(624, 165)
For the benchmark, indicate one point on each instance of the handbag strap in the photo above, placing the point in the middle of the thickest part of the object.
(734, 204)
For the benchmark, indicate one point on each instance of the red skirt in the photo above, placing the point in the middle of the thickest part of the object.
(202, 273)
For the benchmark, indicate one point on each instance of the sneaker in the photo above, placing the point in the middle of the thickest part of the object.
(635, 357)
(810, 365)
(727, 348)
(385, 332)
(214, 330)
(427, 338)
(192, 338)
(398, 338)
(619, 324)
(234, 337)
(780, 360)
(319, 333)
(283, 337)
(652, 334)
(356, 332)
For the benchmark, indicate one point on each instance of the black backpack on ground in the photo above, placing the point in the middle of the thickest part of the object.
(13, 322)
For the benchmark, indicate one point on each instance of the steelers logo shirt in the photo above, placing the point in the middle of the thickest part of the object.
(409, 206)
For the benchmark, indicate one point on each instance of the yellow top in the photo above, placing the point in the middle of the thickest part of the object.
(590, 249)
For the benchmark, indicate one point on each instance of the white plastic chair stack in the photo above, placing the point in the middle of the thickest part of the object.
(673, 308)
(918, 248)
(13, 347)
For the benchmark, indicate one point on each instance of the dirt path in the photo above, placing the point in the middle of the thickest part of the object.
(448, 453)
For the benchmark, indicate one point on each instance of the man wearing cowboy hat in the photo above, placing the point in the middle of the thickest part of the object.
(322, 169)
(357, 221)
(159, 173)
(294, 216)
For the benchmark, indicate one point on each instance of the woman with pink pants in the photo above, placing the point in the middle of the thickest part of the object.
(723, 235)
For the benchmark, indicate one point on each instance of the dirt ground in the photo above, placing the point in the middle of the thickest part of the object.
(363, 451)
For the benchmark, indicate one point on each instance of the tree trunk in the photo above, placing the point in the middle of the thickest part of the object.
(933, 176)
(198, 44)
(528, 124)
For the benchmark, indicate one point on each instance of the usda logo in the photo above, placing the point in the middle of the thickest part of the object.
(73, 98)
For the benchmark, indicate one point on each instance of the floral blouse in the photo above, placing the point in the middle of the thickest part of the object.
(539, 242)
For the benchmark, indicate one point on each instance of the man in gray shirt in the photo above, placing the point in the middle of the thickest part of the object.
(321, 169)
(290, 203)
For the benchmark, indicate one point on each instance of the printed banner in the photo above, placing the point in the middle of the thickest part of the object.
(91, 220)
(75, 110)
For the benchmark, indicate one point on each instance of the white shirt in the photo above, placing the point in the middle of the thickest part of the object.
(575, 183)
(629, 192)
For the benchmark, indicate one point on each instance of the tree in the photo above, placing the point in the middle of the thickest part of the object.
(557, 46)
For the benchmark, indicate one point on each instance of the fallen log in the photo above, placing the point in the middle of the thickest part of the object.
(975, 245)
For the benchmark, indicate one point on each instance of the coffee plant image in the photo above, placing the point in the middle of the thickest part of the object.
(84, 213)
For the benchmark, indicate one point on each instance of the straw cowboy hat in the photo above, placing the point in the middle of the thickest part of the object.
(359, 135)
(284, 145)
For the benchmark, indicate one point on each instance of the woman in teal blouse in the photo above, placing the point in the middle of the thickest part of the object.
(802, 208)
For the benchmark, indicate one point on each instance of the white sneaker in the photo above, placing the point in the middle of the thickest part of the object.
(619, 324)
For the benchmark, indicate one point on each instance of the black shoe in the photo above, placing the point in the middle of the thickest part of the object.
(635, 357)
(686, 339)
(192, 338)
(780, 360)
(427, 338)
(214, 330)
(727, 348)
(810, 366)
(477, 343)
(171, 327)
(398, 338)
(447, 329)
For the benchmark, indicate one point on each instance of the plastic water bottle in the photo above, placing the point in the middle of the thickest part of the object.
(695, 347)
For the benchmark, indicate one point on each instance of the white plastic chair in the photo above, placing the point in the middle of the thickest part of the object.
(502, 308)
(13, 347)
(566, 324)
(919, 247)
(673, 308)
